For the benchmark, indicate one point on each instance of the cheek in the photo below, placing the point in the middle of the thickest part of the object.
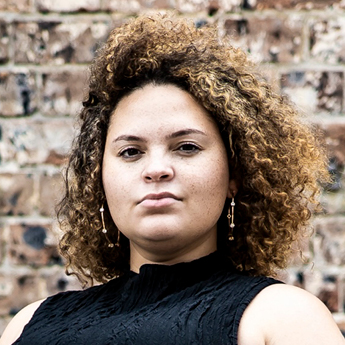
(212, 183)
(218, 173)
(112, 184)
(115, 193)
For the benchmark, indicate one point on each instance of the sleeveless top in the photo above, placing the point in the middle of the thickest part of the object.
(198, 302)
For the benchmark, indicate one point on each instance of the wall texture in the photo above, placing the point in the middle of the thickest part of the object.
(45, 47)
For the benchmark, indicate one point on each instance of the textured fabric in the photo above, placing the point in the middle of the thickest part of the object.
(200, 302)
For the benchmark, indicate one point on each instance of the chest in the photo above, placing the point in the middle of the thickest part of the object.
(197, 320)
(207, 313)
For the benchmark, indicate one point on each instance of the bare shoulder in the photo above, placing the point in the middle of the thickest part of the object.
(283, 314)
(15, 327)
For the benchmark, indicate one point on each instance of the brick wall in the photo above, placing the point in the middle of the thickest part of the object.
(45, 47)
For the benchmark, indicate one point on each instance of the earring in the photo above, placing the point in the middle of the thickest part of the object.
(230, 216)
(105, 231)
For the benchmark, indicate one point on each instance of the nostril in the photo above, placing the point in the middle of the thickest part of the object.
(151, 174)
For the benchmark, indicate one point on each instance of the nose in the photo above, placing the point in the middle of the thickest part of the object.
(158, 169)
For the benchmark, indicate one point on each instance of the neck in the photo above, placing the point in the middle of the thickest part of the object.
(139, 256)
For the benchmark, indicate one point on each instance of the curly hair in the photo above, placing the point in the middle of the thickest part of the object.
(275, 157)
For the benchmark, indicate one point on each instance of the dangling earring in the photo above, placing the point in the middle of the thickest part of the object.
(105, 231)
(230, 216)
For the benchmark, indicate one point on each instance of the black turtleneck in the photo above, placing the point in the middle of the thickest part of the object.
(198, 302)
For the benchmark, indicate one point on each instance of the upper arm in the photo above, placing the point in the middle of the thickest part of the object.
(285, 315)
(15, 327)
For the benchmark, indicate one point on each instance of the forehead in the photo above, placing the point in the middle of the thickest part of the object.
(160, 106)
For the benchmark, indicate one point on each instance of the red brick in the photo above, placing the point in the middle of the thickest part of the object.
(333, 199)
(324, 31)
(333, 202)
(28, 142)
(19, 6)
(24, 289)
(292, 277)
(268, 39)
(294, 4)
(342, 299)
(18, 93)
(335, 139)
(4, 42)
(329, 241)
(329, 293)
(3, 5)
(16, 194)
(63, 92)
(28, 245)
(208, 6)
(3, 240)
(51, 191)
(137, 6)
(68, 6)
(57, 42)
(183, 6)
(315, 91)
(160, 4)
(17, 290)
(123, 6)
(55, 280)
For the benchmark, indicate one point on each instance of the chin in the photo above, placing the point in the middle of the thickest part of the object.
(158, 235)
(159, 228)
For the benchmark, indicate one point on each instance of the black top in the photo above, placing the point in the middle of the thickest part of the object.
(199, 302)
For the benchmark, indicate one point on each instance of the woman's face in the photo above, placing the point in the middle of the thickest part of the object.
(165, 174)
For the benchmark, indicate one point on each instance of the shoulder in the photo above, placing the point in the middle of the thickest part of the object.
(17, 324)
(283, 314)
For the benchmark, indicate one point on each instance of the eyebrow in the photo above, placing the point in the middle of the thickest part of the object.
(184, 132)
(126, 137)
(174, 135)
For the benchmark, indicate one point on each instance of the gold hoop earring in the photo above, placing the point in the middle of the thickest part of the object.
(230, 216)
(105, 231)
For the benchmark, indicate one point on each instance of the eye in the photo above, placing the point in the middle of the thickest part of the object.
(130, 152)
(188, 148)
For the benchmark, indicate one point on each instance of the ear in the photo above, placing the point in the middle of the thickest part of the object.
(232, 189)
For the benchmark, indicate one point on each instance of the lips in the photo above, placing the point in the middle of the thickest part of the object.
(159, 196)
(159, 200)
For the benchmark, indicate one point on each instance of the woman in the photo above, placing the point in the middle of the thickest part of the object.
(186, 187)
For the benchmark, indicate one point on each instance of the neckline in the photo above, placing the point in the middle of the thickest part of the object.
(206, 259)
(182, 273)
(155, 282)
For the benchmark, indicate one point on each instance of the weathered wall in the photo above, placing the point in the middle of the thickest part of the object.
(45, 46)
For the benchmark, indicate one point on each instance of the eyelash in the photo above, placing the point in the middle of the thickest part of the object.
(189, 148)
(195, 148)
(124, 153)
